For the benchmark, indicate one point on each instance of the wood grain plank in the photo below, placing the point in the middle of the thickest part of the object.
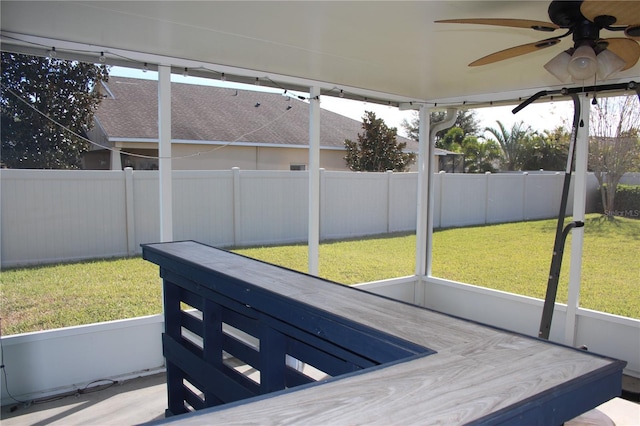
(432, 390)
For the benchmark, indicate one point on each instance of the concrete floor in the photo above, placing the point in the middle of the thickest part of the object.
(144, 399)
(130, 402)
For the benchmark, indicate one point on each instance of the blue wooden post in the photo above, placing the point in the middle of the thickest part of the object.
(172, 328)
(213, 341)
(272, 360)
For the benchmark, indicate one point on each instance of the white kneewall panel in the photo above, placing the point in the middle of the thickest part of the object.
(56, 361)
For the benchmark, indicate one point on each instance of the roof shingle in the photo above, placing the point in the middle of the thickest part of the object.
(215, 114)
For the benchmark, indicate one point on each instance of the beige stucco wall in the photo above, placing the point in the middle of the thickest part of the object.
(219, 157)
(213, 157)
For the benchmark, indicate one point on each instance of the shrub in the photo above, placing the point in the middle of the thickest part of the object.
(627, 202)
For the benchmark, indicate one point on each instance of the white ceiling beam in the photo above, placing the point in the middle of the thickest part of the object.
(41, 46)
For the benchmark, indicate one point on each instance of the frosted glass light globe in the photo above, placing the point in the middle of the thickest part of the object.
(583, 64)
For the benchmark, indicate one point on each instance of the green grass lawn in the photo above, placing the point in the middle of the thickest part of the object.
(516, 258)
(53, 296)
(512, 257)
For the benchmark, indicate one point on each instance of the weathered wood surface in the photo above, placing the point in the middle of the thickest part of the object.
(478, 374)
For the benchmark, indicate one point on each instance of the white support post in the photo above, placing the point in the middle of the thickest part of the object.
(130, 208)
(164, 152)
(237, 205)
(116, 162)
(423, 225)
(579, 206)
(314, 181)
(389, 201)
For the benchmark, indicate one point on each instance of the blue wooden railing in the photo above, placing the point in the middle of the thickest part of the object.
(214, 321)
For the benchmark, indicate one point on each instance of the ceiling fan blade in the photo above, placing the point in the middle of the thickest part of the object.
(513, 23)
(515, 51)
(626, 48)
(626, 12)
(633, 31)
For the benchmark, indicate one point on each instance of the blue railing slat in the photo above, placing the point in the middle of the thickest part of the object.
(214, 381)
(294, 378)
(191, 323)
(241, 351)
(324, 361)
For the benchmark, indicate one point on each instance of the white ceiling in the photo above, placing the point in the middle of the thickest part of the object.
(390, 49)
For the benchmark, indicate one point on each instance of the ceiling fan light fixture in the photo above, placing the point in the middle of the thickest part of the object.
(583, 64)
(608, 64)
(559, 66)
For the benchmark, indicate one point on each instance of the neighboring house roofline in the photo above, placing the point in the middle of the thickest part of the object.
(105, 86)
(205, 113)
(440, 151)
(216, 117)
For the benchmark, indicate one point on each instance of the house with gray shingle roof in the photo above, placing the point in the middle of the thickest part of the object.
(213, 128)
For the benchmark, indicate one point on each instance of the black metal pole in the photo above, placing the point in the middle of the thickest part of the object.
(635, 86)
(561, 234)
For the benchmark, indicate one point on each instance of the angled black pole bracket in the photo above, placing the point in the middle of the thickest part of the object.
(632, 85)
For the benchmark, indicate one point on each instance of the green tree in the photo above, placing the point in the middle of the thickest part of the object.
(61, 90)
(480, 155)
(511, 142)
(614, 144)
(465, 120)
(547, 151)
(452, 140)
(377, 149)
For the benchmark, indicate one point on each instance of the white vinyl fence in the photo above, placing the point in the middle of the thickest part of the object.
(630, 179)
(54, 215)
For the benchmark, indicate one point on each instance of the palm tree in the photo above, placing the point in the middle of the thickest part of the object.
(480, 156)
(511, 141)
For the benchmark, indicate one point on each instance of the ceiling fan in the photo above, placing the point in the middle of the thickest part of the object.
(590, 54)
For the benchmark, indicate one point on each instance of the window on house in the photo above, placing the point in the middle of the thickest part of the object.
(298, 167)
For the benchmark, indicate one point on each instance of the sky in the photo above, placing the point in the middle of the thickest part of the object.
(539, 116)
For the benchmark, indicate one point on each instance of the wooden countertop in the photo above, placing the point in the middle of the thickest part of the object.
(479, 374)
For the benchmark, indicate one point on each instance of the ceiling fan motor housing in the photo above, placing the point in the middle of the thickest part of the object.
(586, 32)
(565, 13)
